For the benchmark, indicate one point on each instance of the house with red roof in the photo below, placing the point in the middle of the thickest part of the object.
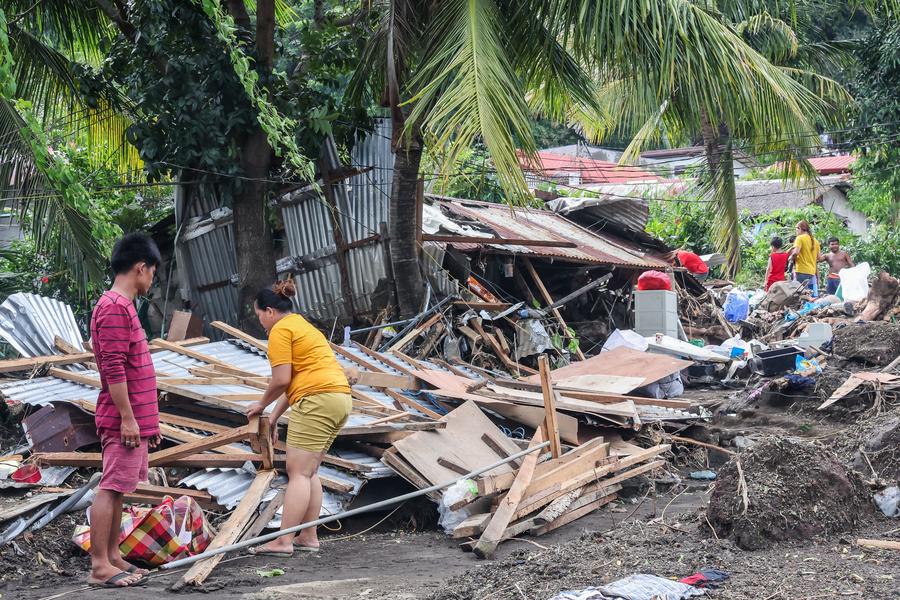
(573, 170)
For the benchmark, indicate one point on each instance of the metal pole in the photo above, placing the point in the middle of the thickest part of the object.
(356, 511)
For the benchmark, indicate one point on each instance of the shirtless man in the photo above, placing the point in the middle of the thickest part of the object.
(837, 259)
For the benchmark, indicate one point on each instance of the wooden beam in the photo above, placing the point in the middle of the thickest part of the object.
(238, 334)
(493, 533)
(403, 342)
(387, 380)
(497, 241)
(28, 364)
(548, 299)
(879, 544)
(75, 377)
(94, 459)
(498, 350)
(65, 347)
(231, 436)
(232, 529)
(265, 516)
(579, 509)
(550, 424)
(163, 344)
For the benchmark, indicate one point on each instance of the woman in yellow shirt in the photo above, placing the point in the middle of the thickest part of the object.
(306, 377)
(806, 255)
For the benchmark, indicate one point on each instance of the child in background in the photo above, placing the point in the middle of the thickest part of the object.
(777, 263)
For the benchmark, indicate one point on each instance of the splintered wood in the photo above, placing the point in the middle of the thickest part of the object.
(542, 494)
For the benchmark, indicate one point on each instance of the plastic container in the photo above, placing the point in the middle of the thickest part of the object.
(737, 306)
(656, 311)
(855, 282)
(776, 362)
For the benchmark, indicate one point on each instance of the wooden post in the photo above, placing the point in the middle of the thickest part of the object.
(339, 241)
(420, 202)
(548, 299)
(550, 424)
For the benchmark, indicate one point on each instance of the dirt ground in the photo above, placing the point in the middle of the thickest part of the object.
(666, 533)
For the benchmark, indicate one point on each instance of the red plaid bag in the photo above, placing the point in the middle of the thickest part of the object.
(160, 534)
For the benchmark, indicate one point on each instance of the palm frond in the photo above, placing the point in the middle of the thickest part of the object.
(469, 90)
(772, 37)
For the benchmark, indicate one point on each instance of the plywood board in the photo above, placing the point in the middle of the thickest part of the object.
(614, 370)
(459, 442)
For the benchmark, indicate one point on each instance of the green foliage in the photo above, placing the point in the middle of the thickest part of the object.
(878, 248)
(470, 177)
(7, 80)
(876, 185)
(685, 221)
(279, 129)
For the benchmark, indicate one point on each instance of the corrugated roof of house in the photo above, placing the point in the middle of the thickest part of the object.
(590, 170)
(763, 196)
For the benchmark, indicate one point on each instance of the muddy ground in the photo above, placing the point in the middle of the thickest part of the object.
(666, 533)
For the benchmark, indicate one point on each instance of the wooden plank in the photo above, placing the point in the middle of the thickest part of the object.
(494, 445)
(386, 380)
(65, 347)
(496, 241)
(548, 299)
(231, 436)
(232, 529)
(879, 544)
(550, 426)
(576, 512)
(488, 306)
(75, 377)
(395, 461)
(841, 392)
(447, 464)
(161, 490)
(28, 364)
(238, 334)
(545, 496)
(493, 533)
(163, 344)
(93, 459)
(415, 332)
(264, 517)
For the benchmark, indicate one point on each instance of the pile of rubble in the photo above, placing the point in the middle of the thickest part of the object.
(416, 421)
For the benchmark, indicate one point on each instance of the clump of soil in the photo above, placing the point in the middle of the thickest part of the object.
(875, 343)
(47, 554)
(873, 448)
(796, 490)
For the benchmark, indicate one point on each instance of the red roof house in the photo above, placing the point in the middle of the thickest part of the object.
(575, 170)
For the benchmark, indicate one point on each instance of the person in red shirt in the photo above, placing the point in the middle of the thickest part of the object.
(690, 261)
(777, 263)
(127, 413)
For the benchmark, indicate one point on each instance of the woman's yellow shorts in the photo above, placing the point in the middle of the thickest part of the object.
(315, 420)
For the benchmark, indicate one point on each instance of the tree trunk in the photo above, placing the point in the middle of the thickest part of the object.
(720, 160)
(254, 250)
(405, 259)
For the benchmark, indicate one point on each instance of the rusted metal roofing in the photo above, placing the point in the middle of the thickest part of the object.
(534, 224)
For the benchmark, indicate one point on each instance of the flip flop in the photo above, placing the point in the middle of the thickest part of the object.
(133, 569)
(302, 548)
(113, 582)
(258, 551)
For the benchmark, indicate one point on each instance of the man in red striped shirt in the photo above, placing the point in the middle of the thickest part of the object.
(127, 412)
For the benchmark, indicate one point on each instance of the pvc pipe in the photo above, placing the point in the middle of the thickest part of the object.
(356, 511)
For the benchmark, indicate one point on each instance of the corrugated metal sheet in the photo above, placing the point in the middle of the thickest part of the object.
(211, 259)
(534, 224)
(30, 322)
(362, 205)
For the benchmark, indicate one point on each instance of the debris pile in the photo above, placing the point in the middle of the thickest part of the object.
(425, 420)
(783, 489)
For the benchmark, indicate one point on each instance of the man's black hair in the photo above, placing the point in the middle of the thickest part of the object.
(777, 243)
(833, 239)
(132, 249)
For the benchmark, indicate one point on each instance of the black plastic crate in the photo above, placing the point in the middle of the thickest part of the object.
(776, 362)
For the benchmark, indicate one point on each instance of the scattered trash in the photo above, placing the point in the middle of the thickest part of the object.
(635, 587)
(888, 500)
(270, 573)
(703, 475)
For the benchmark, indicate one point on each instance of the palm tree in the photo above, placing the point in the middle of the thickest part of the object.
(50, 47)
(779, 32)
(457, 70)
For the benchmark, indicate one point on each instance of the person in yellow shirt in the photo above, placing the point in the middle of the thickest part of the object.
(306, 377)
(806, 255)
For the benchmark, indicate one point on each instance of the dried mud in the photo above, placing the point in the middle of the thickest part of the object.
(795, 490)
(876, 343)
